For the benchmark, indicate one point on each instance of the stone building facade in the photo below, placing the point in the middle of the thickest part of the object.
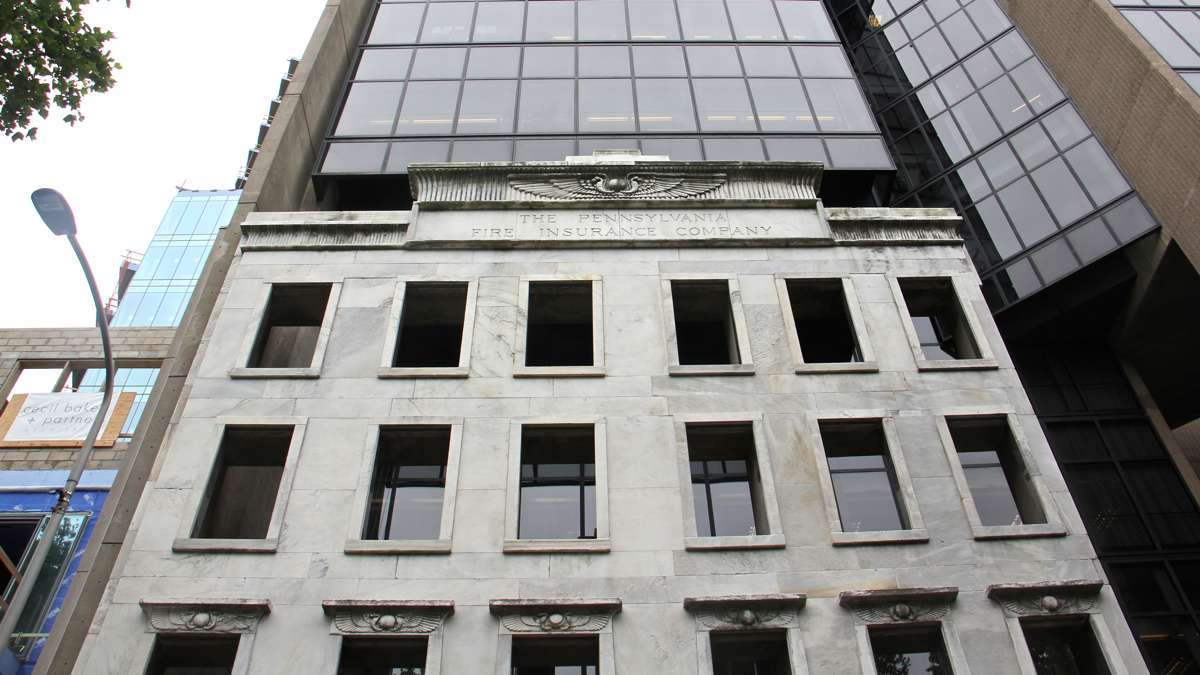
(724, 484)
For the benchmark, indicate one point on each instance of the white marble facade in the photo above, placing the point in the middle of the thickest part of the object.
(649, 558)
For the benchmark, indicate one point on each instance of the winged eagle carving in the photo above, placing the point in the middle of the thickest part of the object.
(629, 186)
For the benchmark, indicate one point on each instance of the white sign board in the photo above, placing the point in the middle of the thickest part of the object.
(60, 417)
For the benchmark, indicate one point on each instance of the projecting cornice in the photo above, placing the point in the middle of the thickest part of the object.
(634, 184)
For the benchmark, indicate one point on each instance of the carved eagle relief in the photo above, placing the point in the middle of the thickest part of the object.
(628, 186)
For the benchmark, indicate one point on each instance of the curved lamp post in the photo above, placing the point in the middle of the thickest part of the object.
(56, 213)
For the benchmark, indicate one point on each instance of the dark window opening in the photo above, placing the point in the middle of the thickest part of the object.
(558, 483)
(560, 324)
(245, 483)
(756, 653)
(1064, 648)
(823, 321)
(382, 656)
(291, 325)
(556, 656)
(725, 484)
(704, 328)
(864, 481)
(409, 483)
(431, 325)
(193, 655)
(938, 319)
(15, 537)
(1000, 484)
(910, 650)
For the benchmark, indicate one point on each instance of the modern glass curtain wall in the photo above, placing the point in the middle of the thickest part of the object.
(1173, 28)
(976, 122)
(693, 79)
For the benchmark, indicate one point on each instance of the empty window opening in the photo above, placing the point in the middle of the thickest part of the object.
(864, 481)
(823, 321)
(1064, 647)
(193, 655)
(725, 487)
(431, 325)
(291, 325)
(910, 649)
(556, 656)
(559, 332)
(704, 328)
(755, 653)
(15, 537)
(245, 483)
(558, 483)
(382, 656)
(938, 318)
(409, 483)
(1001, 486)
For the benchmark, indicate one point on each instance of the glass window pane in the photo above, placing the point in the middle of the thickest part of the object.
(733, 149)
(605, 105)
(1006, 104)
(1161, 37)
(713, 61)
(1000, 165)
(396, 24)
(383, 64)
(1054, 260)
(1026, 212)
(1130, 219)
(439, 64)
(733, 511)
(796, 150)
(666, 61)
(781, 105)
(550, 512)
(547, 105)
(767, 61)
(499, 22)
(805, 21)
(1066, 127)
(653, 20)
(1033, 146)
(934, 51)
(678, 149)
(992, 496)
(1092, 240)
(447, 22)
(700, 507)
(353, 157)
(1036, 85)
(865, 502)
(544, 149)
(977, 124)
(370, 109)
(665, 105)
(415, 513)
(997, 228)
(604, 61)
(408, 152)
(704, 20)
(1100, 176)
(602, 20)
(493, 62)
(724, 105)
(754, 20)
(487, 107)
(549, 62)
(1062, 192)
(550, 21)
(822, 61)
(428, 108)
(858, 153)
(839, 106)
(587, 146)
(983, 68)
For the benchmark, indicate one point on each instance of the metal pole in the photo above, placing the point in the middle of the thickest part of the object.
(38, 559)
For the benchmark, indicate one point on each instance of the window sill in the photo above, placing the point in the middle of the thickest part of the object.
(556, 546)
(885, 537)
(715, 369)
(1031, 531)
(275, 373)
(752, 541)
(196, 545)
(558, 371)
(396, 546)
(964, 364)
(847, 367)
(404, 373)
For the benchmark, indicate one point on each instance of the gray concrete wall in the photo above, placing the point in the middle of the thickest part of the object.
(647, 566)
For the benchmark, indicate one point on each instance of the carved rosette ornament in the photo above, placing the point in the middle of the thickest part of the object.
(899, 605)
(555, 616)
(201, 616)
(1048, 598)
(576, 186)
(381, 617)
(746, 612)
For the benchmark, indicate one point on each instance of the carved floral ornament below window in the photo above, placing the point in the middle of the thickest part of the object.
(747, 612)
(1048, 598)
(899, 605)
(383, 617)
(555, 616)
(205, 616)
(574, 186)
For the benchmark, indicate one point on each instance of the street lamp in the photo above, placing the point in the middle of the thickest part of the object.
(56, 213)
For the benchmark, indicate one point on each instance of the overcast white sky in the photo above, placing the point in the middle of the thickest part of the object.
(196, 79)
